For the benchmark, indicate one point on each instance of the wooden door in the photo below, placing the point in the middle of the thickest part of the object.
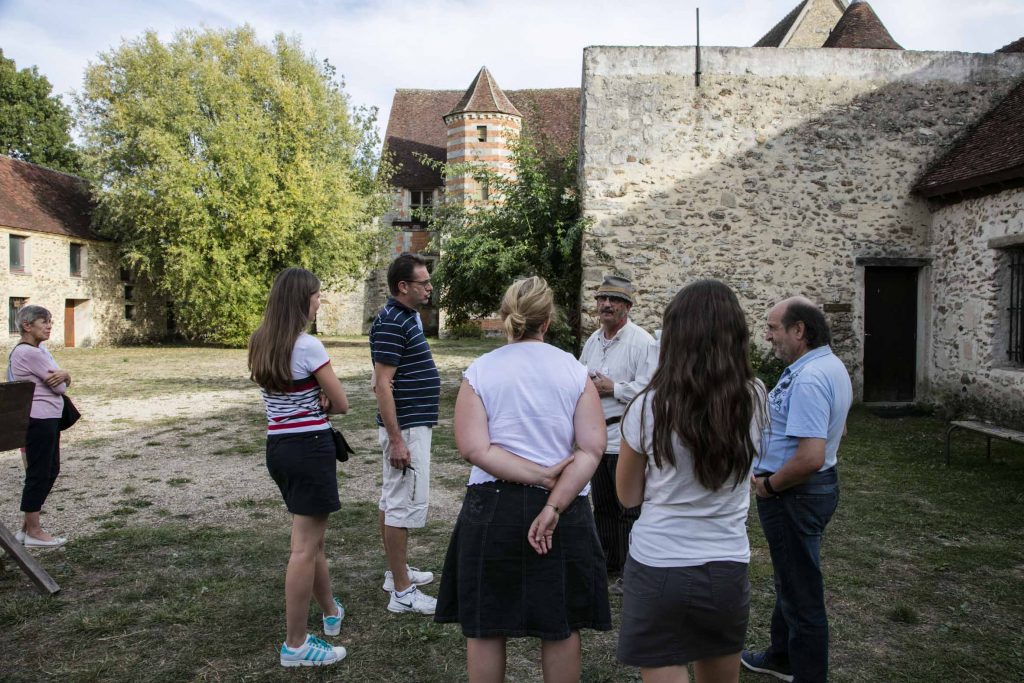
(69, 323)
(890, 334)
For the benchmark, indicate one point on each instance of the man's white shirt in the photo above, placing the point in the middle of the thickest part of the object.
(627, 360)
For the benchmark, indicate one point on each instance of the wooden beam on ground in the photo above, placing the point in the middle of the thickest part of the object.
(15, 406)
(43, 581)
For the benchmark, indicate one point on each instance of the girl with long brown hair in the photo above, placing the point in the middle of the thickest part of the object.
(299, 389)
(688, 444)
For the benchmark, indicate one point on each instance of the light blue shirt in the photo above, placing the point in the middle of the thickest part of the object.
(811, 400)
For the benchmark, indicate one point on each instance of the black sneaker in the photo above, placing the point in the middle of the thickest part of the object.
(763, 664)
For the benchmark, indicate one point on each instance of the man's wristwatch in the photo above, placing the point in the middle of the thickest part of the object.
(768, 485)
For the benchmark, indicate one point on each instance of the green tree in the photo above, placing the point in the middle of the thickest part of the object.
(34, 123)
(535, 227)
(219, 161)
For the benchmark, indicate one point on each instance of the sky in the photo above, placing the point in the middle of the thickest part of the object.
(378, 46)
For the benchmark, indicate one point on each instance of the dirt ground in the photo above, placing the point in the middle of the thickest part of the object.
(157, 444)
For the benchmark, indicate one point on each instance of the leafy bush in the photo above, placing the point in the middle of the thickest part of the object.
(766, 366)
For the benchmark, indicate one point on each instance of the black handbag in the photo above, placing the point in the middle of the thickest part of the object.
(69, 416)
(341, 448)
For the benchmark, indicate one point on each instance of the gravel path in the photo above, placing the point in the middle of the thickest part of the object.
(190, 456)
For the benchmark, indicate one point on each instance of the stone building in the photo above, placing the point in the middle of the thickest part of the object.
(51, 257)
(821, 172)
(474, 125)
(976, 359)
(808, 25)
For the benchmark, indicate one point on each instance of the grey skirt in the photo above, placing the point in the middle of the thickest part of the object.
(495, 585)
(675, 615)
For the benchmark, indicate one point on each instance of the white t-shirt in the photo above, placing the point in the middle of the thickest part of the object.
(530, 391)
(298, 410)
(683, 524)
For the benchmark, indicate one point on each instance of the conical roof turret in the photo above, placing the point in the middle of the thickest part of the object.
(861, 27)
(484, 96)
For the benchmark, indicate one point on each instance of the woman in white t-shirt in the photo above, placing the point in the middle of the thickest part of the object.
(688, 443)
(299, 388)
(521, 410)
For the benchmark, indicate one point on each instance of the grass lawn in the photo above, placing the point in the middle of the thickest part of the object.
(924, 563)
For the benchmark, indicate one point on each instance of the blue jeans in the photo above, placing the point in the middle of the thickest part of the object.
(793, 524)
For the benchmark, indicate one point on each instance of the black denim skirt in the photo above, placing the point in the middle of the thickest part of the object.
(496, 585)
(303, 466)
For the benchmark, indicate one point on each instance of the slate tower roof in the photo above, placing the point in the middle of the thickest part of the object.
(861, 27)
(484, 96)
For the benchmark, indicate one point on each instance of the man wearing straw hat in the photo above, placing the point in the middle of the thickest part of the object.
(616, 355)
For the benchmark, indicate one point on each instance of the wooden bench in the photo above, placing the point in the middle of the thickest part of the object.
(989, 430)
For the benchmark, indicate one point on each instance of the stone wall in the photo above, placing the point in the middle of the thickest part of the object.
(970, 370)
(775, 175)
(818, 21)
(341, 309)
(98, 295)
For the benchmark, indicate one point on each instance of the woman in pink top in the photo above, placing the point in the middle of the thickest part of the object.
(31, 362)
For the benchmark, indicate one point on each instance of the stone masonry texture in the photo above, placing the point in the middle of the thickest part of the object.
(775, 175)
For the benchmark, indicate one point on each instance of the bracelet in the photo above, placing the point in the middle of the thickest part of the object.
(768, 485)
(554, 507)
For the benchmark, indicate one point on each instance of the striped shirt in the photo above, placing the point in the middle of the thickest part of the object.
(396, 339)
(298, 410)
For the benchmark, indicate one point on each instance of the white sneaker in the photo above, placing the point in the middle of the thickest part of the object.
(313, 652)
(413, 601)
(332, 624)
(33, 542)
(416, 578)
(19, 536)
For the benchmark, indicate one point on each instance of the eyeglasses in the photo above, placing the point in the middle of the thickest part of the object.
(419, 282)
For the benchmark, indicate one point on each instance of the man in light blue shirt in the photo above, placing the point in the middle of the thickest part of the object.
(797, 487)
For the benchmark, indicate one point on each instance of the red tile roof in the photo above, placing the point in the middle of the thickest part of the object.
(860, 27)
(1015, 46)
(416, 126)
(989, 158)
(484, 95)
(43, 200)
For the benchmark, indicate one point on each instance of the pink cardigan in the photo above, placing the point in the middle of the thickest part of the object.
(33, 364)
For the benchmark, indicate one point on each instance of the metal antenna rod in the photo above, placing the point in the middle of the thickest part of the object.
(696, 75)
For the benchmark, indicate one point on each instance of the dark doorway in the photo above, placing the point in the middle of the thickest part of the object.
(890, 334)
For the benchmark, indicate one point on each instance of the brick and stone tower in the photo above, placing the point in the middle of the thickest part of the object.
(481, 129)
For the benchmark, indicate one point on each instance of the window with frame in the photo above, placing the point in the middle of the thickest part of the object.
(1015, 308)
(481, 133)
(129, 292)
(485, 189)
(19, 253)
(13, 305)
(129, 312)
(420, 199)
(75, 255)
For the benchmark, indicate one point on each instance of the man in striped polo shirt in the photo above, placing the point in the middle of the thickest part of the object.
(408, 389)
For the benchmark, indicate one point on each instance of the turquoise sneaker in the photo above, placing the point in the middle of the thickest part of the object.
(332, 625)
(313, 652)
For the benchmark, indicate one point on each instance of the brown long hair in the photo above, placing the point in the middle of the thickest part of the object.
(704, 390)
(285, 318)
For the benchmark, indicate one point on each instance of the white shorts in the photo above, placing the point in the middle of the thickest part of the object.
(403, 497)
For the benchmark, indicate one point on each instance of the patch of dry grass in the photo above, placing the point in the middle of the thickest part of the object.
(176, 567)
